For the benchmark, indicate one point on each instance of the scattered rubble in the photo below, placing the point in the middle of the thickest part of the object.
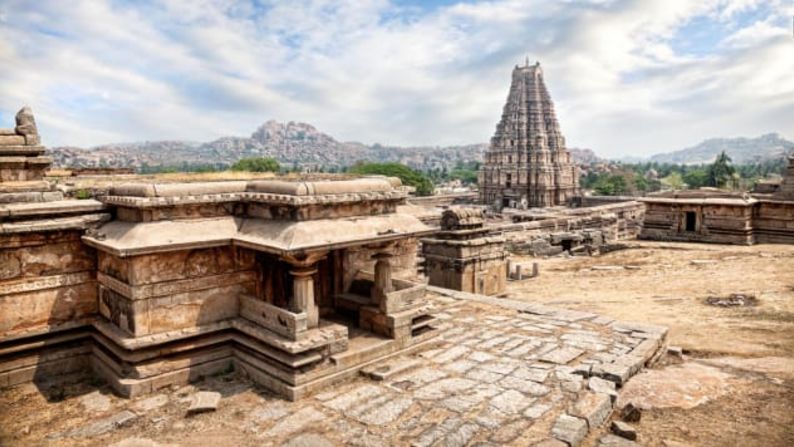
(204, 401)
(732, 300)
(624, 430)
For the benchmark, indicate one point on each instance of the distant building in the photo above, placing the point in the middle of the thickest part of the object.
(527, 164)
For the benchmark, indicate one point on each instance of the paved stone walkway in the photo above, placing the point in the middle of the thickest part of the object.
(505, 372)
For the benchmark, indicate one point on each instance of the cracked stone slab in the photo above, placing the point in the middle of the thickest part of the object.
(443, 388)
(510, 402)
(561, 356)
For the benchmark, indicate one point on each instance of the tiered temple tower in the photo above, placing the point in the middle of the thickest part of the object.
(527, 164)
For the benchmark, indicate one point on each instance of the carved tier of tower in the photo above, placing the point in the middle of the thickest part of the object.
(527, 163)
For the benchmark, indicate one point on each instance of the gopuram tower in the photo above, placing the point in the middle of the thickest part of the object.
(527, 164)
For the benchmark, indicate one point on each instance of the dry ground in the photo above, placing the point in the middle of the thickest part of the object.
(751, 349)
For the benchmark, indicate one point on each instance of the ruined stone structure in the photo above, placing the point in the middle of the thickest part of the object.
(727, 218)
(297, 284)
(465, 255)
(590, 228)
(527, 164)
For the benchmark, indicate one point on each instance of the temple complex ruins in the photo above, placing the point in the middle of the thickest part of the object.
(381, 318)
(527, 164)
(723, 217)
(299, 284)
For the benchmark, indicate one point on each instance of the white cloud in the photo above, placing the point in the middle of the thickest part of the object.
(100, 71)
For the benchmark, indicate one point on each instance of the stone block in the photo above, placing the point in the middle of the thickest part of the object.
(570, 429)
(204, 401)
(595, 408)
(624, 430)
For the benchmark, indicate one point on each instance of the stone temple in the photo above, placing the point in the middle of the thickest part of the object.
(527, 164)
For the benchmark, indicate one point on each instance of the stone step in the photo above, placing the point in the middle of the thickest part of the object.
(389, 368)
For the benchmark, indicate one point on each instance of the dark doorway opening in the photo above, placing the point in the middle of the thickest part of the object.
(691, 220)
(506, 203)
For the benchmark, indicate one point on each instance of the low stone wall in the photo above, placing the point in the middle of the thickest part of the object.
(445, 199)
(580, 226)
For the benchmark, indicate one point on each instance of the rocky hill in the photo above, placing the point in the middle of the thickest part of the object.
(741, 150)
(301, 144)
(290, 143)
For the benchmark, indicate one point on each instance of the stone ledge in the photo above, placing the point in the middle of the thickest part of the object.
(82, 222)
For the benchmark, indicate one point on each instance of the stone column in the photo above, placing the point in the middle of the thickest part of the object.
(383, 283)
(303, 295)
(303, 286)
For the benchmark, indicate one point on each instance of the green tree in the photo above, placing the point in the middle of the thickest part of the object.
(612, 185)
(721, 171)
(409, 177)
(674, 180)
(696, 178)
(256, 164)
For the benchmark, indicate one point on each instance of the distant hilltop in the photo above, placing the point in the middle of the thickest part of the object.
(289, 143)
(301, 144)
(741, 150)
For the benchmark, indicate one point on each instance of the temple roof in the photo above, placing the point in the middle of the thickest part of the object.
(273, 236)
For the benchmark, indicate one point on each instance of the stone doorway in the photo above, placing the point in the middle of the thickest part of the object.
(690, 219)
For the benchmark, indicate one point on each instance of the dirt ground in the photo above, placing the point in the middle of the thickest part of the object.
(750, 348)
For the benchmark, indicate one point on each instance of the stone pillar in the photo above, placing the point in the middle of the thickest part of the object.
(303, 286)
(303, 295)
(383, 283)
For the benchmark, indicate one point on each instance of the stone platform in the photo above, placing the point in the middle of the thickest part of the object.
(504, 373)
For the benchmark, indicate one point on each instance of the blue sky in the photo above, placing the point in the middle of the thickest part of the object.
(629, 77)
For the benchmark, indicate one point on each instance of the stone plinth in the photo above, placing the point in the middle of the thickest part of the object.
(465, 255)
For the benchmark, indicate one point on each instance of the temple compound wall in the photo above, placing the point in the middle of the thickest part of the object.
(527, 163)
(466, 255)
(716, 217)
(299, 284)
(570, 229)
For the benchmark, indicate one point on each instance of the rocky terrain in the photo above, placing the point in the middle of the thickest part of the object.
(302, 144)
(741, 150)
(289, 143)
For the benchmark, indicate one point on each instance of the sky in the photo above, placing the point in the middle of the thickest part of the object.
(628, 77)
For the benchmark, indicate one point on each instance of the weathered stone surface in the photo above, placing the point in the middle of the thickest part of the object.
(615, 441)
(561, 356)
(537, 410)
(510, 402)
(550, 443)
(443, 388)
(104, 425)
(460, 436)
(95, 402)
(525, 386)
(296, 422)
(390, 368)
(599, 385)
(150, 403)
(595, 408)
(381, 413)
(570, 429)
(204, 401)
(308, 440)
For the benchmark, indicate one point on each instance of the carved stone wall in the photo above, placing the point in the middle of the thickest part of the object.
(527, 163)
